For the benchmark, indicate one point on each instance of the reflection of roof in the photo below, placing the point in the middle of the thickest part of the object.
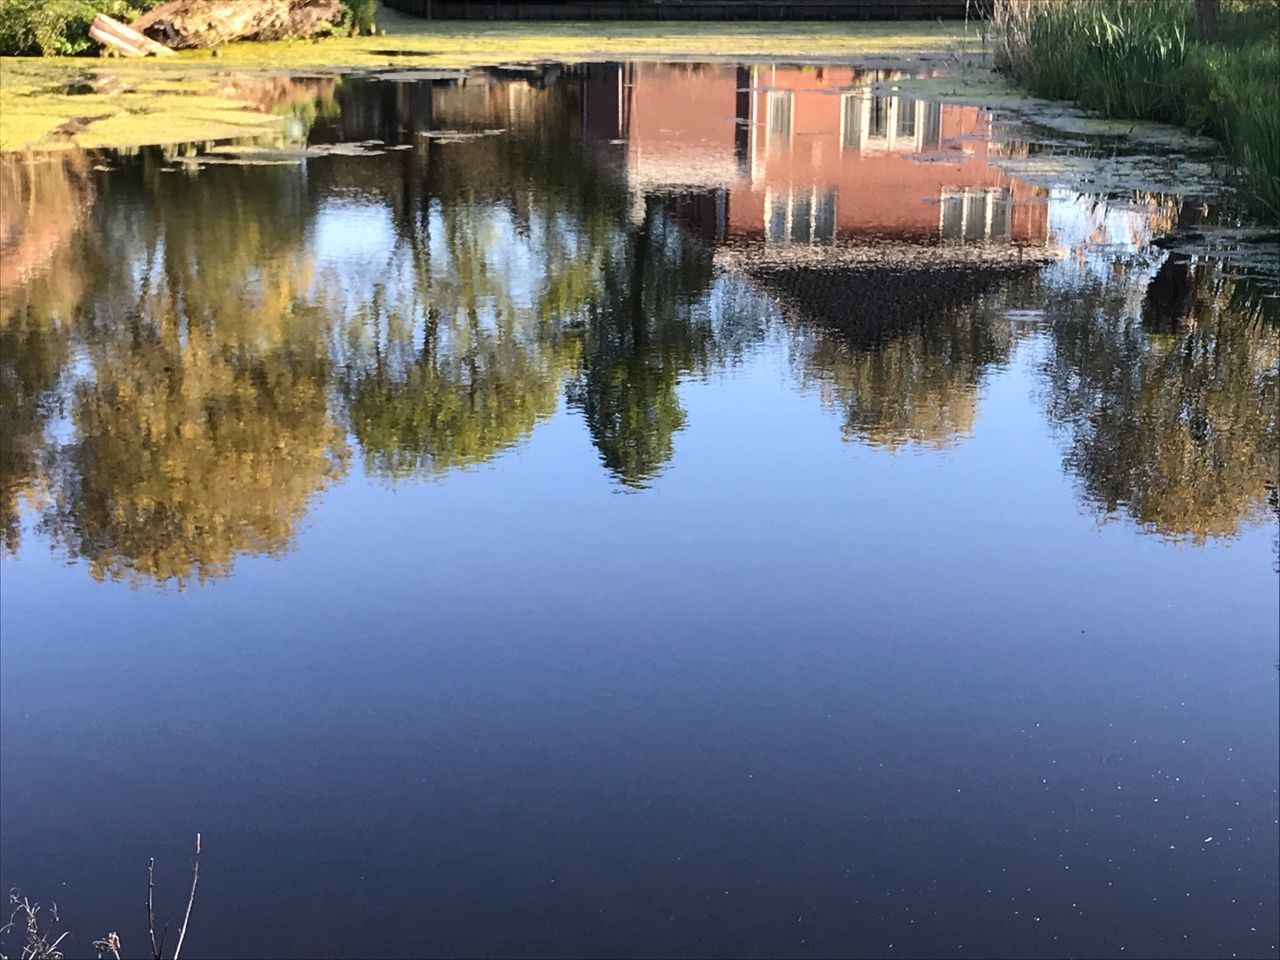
(873, 291)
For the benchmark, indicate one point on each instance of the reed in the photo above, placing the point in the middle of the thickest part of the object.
(1142, 59)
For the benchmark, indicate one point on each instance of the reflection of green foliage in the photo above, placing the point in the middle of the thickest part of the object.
(490, 366)
(418, 412)
(193, 452)
(1179, 430)
(633, 413)
(490, 360)
(919, 388)
(203, 428)
(307, 112)
(32, 354)
(641, 336)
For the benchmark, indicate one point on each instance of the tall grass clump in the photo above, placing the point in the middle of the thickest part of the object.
(1144, 59)
(358, 16)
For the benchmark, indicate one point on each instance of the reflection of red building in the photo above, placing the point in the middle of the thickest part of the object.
(803, 154)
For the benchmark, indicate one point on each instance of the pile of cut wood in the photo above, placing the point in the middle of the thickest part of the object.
(181, 24)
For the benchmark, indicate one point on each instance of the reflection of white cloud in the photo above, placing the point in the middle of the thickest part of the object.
(1098, 240)
(352, 233)
(1082, 223)
(1094, 237)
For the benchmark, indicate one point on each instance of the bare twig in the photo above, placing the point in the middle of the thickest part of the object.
(151, 913)
(195, 878)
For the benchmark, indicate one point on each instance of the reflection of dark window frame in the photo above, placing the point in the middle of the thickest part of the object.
(932, 136)
(775, 135)
(878, 122)
(975, 214)
(742, 114)
(816, 225)
(851, 125)
(906, 119)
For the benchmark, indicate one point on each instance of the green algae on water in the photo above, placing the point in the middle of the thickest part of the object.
(179, 99)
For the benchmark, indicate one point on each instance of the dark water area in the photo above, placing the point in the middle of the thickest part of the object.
(636, 510)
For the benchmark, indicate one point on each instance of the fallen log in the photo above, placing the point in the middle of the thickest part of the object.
(116, 36)
(209, 23)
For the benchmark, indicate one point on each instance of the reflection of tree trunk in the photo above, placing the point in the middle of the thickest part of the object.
(1207, 18)
(1170, 296)
(639, 263)
(473, 321)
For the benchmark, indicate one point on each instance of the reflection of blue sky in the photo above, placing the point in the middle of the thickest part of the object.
(1092, 233)
(1078, 221)
(359, 249)
(350, 233)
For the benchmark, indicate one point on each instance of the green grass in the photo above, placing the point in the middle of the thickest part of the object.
(1143, 59)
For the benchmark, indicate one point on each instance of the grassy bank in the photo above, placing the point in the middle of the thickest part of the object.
(54, 28)
(1144, 59)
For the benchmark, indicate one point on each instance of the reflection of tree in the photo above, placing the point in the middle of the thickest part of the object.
(32, 355)
(900, 353)
(524, 267)
(920, 388)
(1180, 430)
(642, 335)
(464, 358)
(470, 390)
(196, 354)
(192, 450)
(43, 205)
(203, 428)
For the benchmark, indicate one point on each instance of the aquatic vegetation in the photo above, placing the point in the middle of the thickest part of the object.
(1128, 58)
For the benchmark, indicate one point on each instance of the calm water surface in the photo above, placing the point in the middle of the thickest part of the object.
(632, 510)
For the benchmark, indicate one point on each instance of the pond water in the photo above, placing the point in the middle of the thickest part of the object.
(687, 509)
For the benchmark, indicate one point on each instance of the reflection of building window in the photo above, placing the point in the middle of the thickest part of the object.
(824, 218)
(781, 107)
(775, 218)
(907, 117)
(974, 214)
(932, 126)
(851, 105)
(800, 217)
(1000, 218)
(879, 126)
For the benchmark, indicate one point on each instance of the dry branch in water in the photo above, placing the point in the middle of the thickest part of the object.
(195, 878)
(41, 944)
